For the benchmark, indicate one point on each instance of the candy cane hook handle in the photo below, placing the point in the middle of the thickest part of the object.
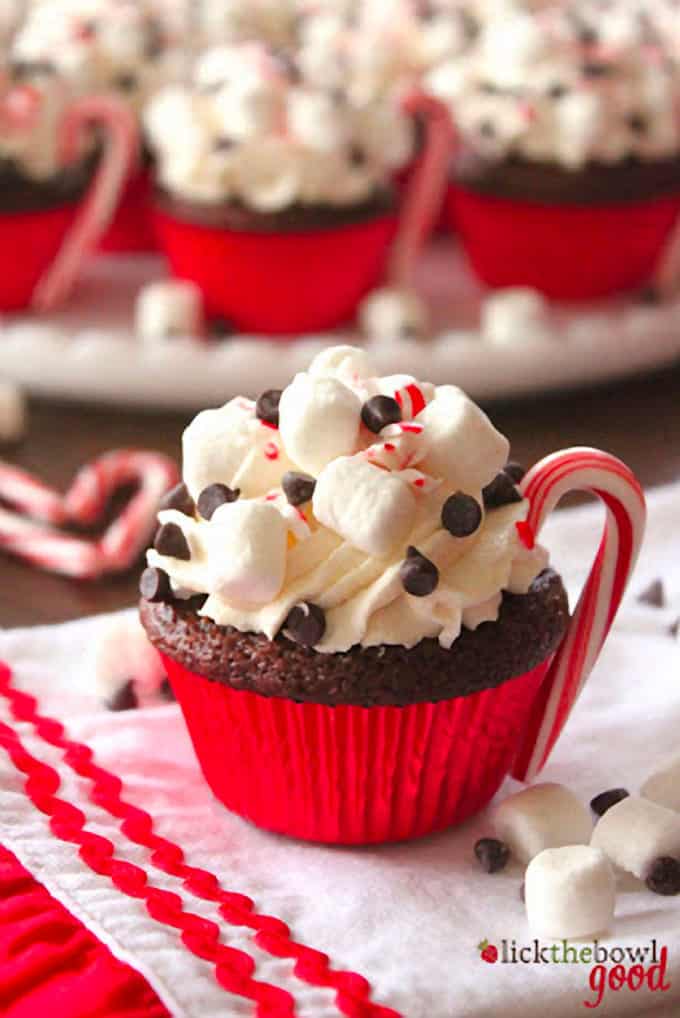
(424, 196)
(608, 478)
(117, 161)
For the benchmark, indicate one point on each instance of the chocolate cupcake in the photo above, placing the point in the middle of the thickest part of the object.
(567, 175)
(267, 181)
(352, 614)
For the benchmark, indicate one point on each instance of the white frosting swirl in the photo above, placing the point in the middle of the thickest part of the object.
(571, 85)
(249, 129)
(258, 557)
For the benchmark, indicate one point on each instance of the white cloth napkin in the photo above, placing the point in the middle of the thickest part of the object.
(409, 917)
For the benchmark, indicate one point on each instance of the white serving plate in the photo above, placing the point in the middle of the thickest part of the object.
(88, 351)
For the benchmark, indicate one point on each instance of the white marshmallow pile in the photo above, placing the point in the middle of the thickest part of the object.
(570, 892)
(319, 420)
(167, 309)
(390, 313)
(246, 548)
(635, 832)
(543, 816)
(515, 315)
(12, 412)
(663, 786)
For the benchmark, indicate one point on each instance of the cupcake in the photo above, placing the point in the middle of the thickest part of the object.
(568, 169)
(349, 604)
(267, 183)
(105, 46)
(47, 167)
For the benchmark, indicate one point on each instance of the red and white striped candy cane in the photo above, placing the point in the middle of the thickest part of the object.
(412, 398)
(32, 537)
(608, 478)
(424, 196)
(119, 157)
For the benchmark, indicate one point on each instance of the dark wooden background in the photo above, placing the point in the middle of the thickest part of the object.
(637, 420)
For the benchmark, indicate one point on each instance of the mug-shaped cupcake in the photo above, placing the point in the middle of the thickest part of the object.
(567, 176)
(348, 594)
(275, 197)
(105, 46)
(55, 202)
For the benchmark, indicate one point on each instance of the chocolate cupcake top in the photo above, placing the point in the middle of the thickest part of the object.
(348, 510)
(251, 129)
(578, 84)
(118, 46)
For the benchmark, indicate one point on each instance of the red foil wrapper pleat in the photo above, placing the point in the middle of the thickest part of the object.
(30, 242)
(354, 775)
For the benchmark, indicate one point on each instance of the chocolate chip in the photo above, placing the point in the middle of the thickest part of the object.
(595, 69)
(379, 411)
(124, 698)
(215, 495)
(492, 854)
(500, 492)
(20, 70)
(515, 471)
(154, 585)
(166, 691)
(357, 155)
(605, 800)
(674, 629)
(522, 892)
(488, 88)
(664, 876)
(637, 123)
(179, 498)
(170, 541)
(267, 407)
(155, 39)
(306, 624)
(126, 82)
(461, 514)
(419, 576)
(587, 35)
(557, 91)
(223, 144)
(298, 488)
(486, 128)
(653, 595)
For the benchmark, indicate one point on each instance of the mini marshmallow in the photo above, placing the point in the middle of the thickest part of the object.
(514, 315)
(540, 817)
(319, 420)
(663, 786)
(12, 412)
(370, 508)
(635, 832)
(391, 313)
(121, 653)
(348, 363)
(569, 892)
(464, 446)
(245, 545)
(230, 446)
(167, 309)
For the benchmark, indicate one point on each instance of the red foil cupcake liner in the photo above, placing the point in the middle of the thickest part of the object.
(279, 283)
(31, 242)
(568, 252)
(354, 775)
(132, 227)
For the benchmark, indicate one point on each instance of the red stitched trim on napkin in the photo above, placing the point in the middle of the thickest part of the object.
(233, 968)
(51, 964)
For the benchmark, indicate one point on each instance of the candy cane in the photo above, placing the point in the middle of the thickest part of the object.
(424, 196)
(412, 398)
(120, 155)
(35, 539)
(544, 486)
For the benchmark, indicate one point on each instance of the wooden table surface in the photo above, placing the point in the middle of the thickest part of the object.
(637, 420)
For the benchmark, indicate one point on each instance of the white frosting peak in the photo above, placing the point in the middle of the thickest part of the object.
(375, 494)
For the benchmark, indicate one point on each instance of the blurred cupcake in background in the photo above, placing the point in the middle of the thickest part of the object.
(567, 176)
(268, 181)
(48, 165)
(11, 13)
(105, 46)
